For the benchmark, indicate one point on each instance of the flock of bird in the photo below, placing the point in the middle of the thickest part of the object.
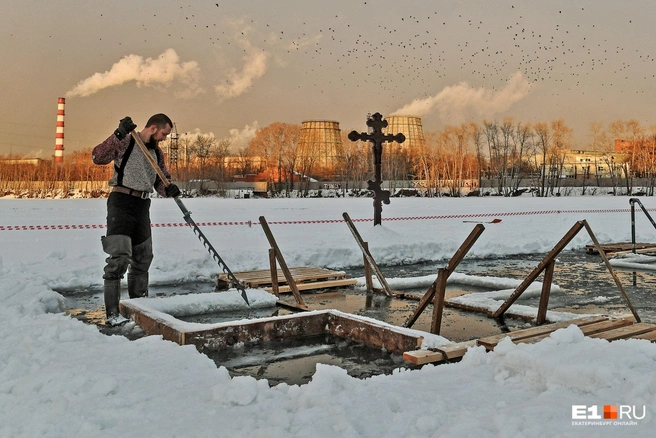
(415, 51)
(420, 50)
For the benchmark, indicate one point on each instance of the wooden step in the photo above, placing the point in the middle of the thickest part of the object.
(589, 329)
(491, 341)
(621, 247)
(446, 352)
(625, 332)
(316, 285)
(649, 336)
(300, 274)
(602, 327)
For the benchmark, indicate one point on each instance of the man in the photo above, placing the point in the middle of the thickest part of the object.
(128, 240)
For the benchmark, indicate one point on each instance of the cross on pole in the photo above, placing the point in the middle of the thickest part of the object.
(377, 138)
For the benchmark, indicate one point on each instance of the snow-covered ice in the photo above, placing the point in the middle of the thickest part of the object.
(61, 377)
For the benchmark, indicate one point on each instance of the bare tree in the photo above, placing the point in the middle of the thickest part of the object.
(506, 153)
(455, 140)
(245, 163)
(543, 139)
(477, 139)
(562, 141)
(277, 144)
(522, 138)
(201, 151)
(352, 162)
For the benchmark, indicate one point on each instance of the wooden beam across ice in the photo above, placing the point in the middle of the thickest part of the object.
(316, 285)
(602, 327)
(491, 341)
(625, 332)
(649, 336)
(446, 352)
(300, 325)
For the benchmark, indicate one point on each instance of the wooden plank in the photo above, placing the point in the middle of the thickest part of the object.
(649, 336)
(367, 269)
(438, 300)
(439, 285)
(367, 255)
(611, 271)
(292, 306)
(645, 250)
(450, 351)
(256, 281)
(491, 341)
(274, 272)
(406, 296)
(371, 334)
(314, 277)
(281, 260)
(316, 285)
(266, 273)
(546, 291)
(151, 323)
(423, 303)
(472, 308)
(620, 248)
(625, 332)
(540, 267)
(255, 331)
(588, 329)
(300, 274)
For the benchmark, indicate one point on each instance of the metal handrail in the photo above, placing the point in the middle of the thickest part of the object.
(633, 201)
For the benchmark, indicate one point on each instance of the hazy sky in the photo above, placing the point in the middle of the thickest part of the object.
(230, 67)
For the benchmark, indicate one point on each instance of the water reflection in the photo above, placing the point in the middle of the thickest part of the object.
(585, 283)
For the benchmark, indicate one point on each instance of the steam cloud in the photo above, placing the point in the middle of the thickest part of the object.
(240, 139)
(453, 103)
(151, 72)
(255, 65)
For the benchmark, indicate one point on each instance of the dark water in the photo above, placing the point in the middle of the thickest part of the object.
(294, 361)
(585, 282)
(586, 287)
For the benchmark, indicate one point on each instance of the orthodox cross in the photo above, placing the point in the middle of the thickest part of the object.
(377, 138)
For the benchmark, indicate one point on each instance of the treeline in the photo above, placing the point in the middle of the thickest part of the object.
(508, 152)
(77, 176)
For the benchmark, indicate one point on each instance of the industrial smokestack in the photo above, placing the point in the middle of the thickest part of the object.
(59, 137)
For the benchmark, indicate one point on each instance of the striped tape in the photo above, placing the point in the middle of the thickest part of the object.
(319, 221)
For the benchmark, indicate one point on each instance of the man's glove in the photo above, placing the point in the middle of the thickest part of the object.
(172, 191)
(125, 126)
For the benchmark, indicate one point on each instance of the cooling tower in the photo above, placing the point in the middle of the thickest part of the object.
(409, 126)
(59, 135)
(322, 138)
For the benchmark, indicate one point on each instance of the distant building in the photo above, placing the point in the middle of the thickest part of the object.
(584, 164)
(18, 161)
(628, 147)
(623, 145)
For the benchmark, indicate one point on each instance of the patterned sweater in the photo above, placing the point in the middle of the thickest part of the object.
(138, 174)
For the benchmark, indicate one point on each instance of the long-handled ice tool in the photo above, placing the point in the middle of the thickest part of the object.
(186, 214)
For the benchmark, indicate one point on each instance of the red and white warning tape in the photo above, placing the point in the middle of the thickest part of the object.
(319, 221)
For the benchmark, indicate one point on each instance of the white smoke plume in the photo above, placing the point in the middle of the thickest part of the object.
(188, 138)
(238, 81)
(455, 102)
(36, 153)
(162, 71)
(241, 139)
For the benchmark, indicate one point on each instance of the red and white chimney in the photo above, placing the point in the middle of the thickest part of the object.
(59, 137)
